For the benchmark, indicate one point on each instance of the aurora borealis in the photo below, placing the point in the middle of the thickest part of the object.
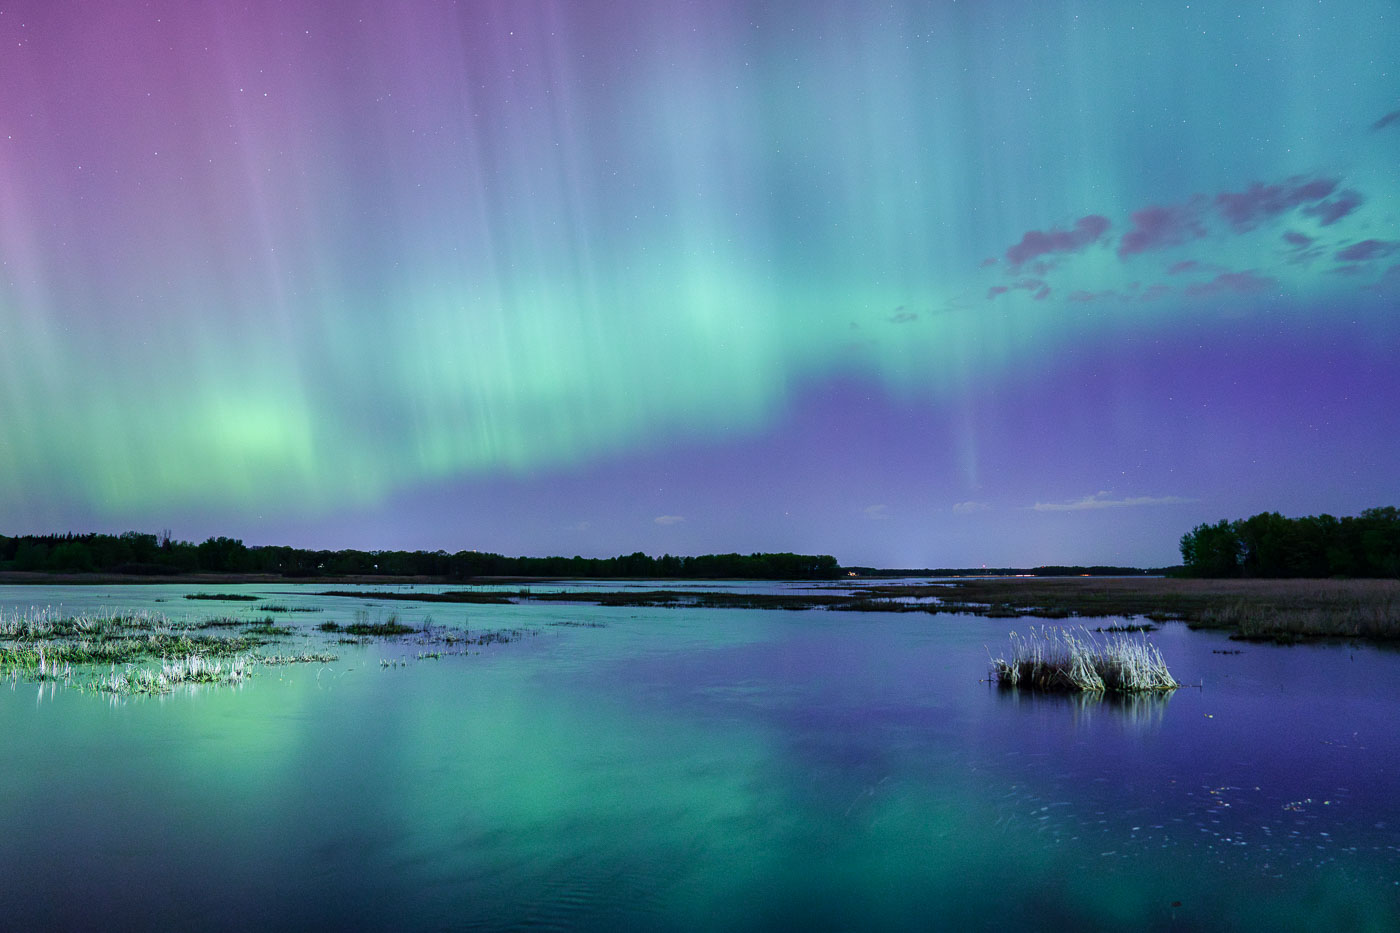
(914, 284)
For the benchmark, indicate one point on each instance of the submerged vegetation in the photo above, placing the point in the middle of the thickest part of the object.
(146, 653)
(130, 652)
(1057, 660)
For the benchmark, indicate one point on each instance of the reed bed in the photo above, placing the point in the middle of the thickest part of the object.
(192, 669)
(1277, 610)
(149, 653)
(1056, 660)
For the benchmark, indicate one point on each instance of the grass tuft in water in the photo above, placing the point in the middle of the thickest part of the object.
(1062, 660)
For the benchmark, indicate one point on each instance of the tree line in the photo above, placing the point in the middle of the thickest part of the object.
(1270, 545)
(137, 553)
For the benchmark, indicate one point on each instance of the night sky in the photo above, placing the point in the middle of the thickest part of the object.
(913, 284)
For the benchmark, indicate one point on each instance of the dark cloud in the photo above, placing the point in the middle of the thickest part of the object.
(1087, 230)
(1156, 227)
(1297, 240)
(1244, 210)
(1186, 265)
(1386, 120)
(903, 317)
(1334, 209)
(989, 261)
(997, 290)
(1154, 292)
(1233, 283)
(1042, 293)
(1366, 249)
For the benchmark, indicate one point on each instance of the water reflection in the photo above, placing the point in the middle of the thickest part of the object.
(1144, 711)
(660, 768)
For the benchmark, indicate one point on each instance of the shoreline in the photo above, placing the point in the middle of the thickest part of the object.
(1283, 610)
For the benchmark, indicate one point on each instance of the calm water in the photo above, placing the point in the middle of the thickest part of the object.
(702, 769)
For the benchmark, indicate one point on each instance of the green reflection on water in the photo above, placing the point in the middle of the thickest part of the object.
(692, 770)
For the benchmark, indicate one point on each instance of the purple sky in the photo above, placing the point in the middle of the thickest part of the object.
(927, 285)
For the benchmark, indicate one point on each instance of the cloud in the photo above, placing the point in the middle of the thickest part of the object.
(876, 512)
(1154, 292)
(1087, 231)
(970, 507)
(1186, 265)
(1156, 227)
(1101, 500)
(1366, 249)
(1242, 283)
(1244, 210)
(902, 317)
(1297, 240)
(1037, 287)
(669, 519)
(1386, 120)
(989, 261)
(1334, 209)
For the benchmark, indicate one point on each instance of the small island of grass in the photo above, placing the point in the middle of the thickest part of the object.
(1061, 661)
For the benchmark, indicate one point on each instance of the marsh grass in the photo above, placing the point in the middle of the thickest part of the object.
(226, 597)
(1055, 660)
(270, 628)
(362, 627)
(143, 652)
(149, 653)
(190, 669)
(450, 596)
(1332, 611)
(1269, 610)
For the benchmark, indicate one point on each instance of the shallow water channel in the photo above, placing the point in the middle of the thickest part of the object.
(664, 768)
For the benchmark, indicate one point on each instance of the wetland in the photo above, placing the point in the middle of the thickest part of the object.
(600, 756)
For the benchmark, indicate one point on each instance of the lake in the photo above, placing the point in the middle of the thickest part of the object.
(659, 768)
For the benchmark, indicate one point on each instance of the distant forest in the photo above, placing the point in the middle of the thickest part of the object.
(1269, 545)
(141, 554)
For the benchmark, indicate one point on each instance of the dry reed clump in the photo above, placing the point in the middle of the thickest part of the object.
(1063, 660)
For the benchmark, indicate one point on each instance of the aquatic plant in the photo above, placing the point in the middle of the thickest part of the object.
(269, 627)
(383, 629)
(305, 657)
(1063, 660)
(191, 669)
